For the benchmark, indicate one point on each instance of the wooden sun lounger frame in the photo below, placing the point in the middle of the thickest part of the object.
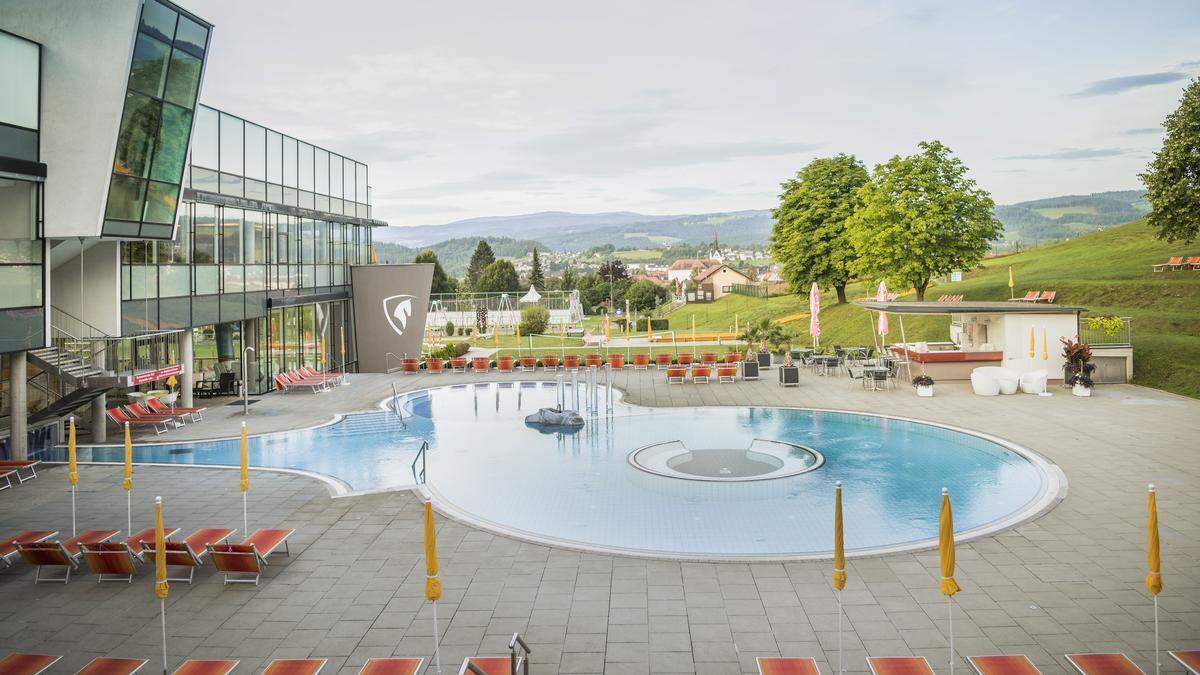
(104, 549)
(793, 665)
(103, 664)
(318, 664)
(1071, 660)
(194, 557)
(158, 407)
(17, 464)
(381, 665)
(983, 670)
(122, 417)
(207, 667)
(60, 547)
(34, 663)
(260, 557)
(1187, 654)
(873, 661)
(26, 537)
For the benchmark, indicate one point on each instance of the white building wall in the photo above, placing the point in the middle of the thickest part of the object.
(1014, 340)
(101, 303)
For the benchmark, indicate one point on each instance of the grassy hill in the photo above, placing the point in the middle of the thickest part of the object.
(1108, 272)
(1054, 218)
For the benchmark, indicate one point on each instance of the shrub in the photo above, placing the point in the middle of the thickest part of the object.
(449, 328)
(534, 319)
(450, 350)
(643, 324)
(922, 381)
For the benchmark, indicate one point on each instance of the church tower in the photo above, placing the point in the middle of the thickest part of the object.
(714, 250)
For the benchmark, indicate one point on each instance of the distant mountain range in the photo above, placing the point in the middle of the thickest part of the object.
(1039, 220)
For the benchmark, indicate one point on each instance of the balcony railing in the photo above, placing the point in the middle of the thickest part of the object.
(1103, 336)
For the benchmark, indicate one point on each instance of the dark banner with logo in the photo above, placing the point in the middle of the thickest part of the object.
(390, 304)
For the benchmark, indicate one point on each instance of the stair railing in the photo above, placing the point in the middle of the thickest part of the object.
(421, 452)
(518, 664)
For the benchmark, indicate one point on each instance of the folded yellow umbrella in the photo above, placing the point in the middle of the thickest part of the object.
(1154, 576)
(161, 587)
(433, 586)
(839, 553)
(946, 546)
(72, 464)
(127, 483)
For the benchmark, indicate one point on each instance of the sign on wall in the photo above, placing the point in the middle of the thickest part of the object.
(390, 305)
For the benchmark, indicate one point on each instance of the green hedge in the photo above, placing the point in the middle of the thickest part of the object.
(643, 324)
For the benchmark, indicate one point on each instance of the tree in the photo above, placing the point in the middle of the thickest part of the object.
(536, 276)
(644, 295)
(442, 283)
(480, 259)
(809, 238)
(1173, 179)
(499, 277)
(921, 217)
(767, 333)
(534, 319)
(568, 281)
(613, 270)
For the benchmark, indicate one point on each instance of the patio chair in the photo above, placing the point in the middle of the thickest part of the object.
(391, 666)
(1009, 664)
(161, 424)
(1031, 296)
(206, 667)
(141, 410)
(805, 665)
(504, 364)
(855, 372)
(8, 545)
(60, 554)
(1047, 297)
(1190, 658)
(137, 543)
(1173, 263)
(732, 357)
(616, 360)
(700, 374)
(660, 360)
(18, 464)
(7, 475)
(190, 552)
(433, 365)
(529, 363)
(1192, 263)
(18, 663)
(480, 364)
(247, 559)
(295, 667)
(109, 666)
(571, 362)
(335, 378)
(686, 359)
(285, 383)
(1104, 664)
(410, 366)
(727, 373)
(458, 364)
(305, 374)
(158, 407)
(550, 362)
(708, 358)
(899, 665)
(676, 374)
(111, 561)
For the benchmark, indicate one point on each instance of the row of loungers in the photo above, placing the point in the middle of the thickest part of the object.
(1087, 664)
(307, 378)
(569, 362)
(153, 412)
(117, 560)
(12, 468)
(702, 374)
(33, 664)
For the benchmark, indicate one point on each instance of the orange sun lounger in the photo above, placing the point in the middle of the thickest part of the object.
(111, 561)
(787, 666)
(206, 667)
(18, 464)
(64, 554)
(17, 663)
(1190, 658)
(899, 665)
(8, 545)
(391, 666)
(1009, 664)
(157, 406)
(492, 665)
(190, 552)
(137, 543)
(1104, 664)
(295, 667)
(108, 666)
(244, 562)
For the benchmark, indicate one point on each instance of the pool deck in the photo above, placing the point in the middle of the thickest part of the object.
(1068, 581)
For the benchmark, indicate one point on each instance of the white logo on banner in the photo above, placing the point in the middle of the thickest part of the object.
(397, 309)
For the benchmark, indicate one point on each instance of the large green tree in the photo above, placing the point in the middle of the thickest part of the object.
(536, 276)
(921, 217)
(1173, 179)
(809, 238)
(480, 259)
(499, 277)
(442, 282)
(644, 295)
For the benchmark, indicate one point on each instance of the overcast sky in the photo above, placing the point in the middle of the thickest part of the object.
(467, 109)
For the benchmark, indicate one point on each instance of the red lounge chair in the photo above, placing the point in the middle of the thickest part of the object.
(111, 561)
(26, 664)
(900, 665)
(700, 374)
(206, 667)
(641, 361)
(248, 558)
(661, 360)
(141, 410)
(504, 364)
(1047, 297)
(295, 667)
(480, 364)
(1015, 664)
(492, 665)
(285, 383)
(676, 374)
(1190, 658)
(107, 666)
(458, 364)
(529, 363)
(591, 360)
(64, 554)
(158, 407)
(942, 297)
(616, 360)
(788, 666)
(571, 362)
(732, 357)
(137, 543)
(1104, 664)
(121, 418)
(1174, 263)
(1192, 263)
(1031, 296)
(190, 552)
(310, 375)
(313, 373)
(433, 365)
(7, 475)
(378, 666)
(18, 464)
(8, 545)
(410, 366)
(726, 373)
(687, 359)
(709, 358)
(550, 362)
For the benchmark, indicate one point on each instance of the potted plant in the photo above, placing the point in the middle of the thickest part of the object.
(789, 372)
(1081, 385)
(924, 385)
(750, 366)
(1078, 369)
(765, 332)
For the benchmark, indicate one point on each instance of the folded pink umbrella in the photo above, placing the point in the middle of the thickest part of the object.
(814, 311)
(882, 296)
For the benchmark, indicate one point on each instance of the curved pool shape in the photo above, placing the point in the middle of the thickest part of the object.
(579, 489)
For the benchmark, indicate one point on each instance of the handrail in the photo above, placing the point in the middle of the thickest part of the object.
(97, 333)
(420, 456)
(396, 407)
(387, 362)
(468, 666)
(522, 664)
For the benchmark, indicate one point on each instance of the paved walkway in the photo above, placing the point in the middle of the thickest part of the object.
(1068, 581)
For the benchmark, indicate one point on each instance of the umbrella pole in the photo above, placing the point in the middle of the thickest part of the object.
(840, 668)
(907, 358)
(1157, 663)
(72, 510)
(950, 614)
(162, 604)
(437, 650)
(129, 511)
(245, 518)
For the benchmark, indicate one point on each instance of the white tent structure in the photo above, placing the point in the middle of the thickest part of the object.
(531, 296)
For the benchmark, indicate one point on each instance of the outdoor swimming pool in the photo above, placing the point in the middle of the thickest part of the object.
(705, 485)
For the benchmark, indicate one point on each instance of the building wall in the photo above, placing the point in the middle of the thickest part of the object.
(86, 49)
(723, 279)
(101, 304)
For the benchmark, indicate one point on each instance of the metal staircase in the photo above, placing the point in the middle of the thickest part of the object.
(66, 365)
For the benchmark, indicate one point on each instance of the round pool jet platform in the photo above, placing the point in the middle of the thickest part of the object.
(762, 460)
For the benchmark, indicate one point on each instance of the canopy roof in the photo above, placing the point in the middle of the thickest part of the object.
(532, 295)
(980, 307)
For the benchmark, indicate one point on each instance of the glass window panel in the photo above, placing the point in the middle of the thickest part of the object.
(143, 281)
(205, 241)
(18, 209)
(231, 236)
(152, 231)
(19, 81)
(274, 193)
(252, 235)
(158, 20)
(322, 243)
(290, 196)
(125, 196)
(171, 150)
(232, 185)
(307, 240)
(348, 181)
(231, 144)
(322, 172)
(322, 203)
(206, 279)
(256, 189)
(335, 206)
(335, 176)
(289, 162)
(256, 152)
(117, 228)
(22, 285)
(307, 200)
(281, 240)
(135, 140)
(183, 79)
(204, 179)
(148, 70)
(256, 277)
(360, 181)
(174, 314)
(161, 202)
(174, 280)
(191, 36)
(181, 247)
(16, 251)
(274, 157)
(232, 277)
(306, 167)
(322, 275)
(206, 138)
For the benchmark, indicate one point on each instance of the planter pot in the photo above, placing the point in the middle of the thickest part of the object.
(926, 390)
(749, 370)
(764, 359)
(789, 376)
(1080, 390)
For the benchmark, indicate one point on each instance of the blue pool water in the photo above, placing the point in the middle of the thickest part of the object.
(485, 465)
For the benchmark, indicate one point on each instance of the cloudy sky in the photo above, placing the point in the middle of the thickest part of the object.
(470, 108)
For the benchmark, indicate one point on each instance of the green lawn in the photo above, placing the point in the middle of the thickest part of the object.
(1060, 211)
(1108, 272)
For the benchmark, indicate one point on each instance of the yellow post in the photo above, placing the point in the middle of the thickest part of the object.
(127, 483)
(161, 587)
(1032, 351)
(72, 471)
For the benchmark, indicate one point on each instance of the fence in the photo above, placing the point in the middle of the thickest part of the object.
(1122, 336)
